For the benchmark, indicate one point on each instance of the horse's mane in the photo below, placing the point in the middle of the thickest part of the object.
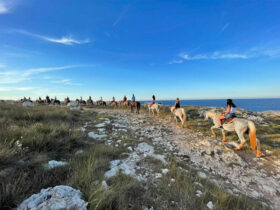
(211, 114)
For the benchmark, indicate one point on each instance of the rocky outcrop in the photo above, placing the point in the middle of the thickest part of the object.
(59, 197)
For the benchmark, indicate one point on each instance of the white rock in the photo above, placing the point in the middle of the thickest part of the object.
(158, 175)
(27, 103)
(130, 148)
(164, 171)
(104, 184)
(79, 152)
(53, 163)
(198, 193)
(96, 136)
(202, 175)
(172, 180)
(210, 205)
(59, 197)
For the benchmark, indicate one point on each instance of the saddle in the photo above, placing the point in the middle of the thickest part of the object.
(132, 103)
(229, 120)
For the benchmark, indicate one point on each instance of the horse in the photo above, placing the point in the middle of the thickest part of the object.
(153, 107)
(101, 103)
(67, 100)
(89, 101)
(125, 103)
(55, 101)
(135, 104)
(179, 112)
(240, 126)
(39, 101)
(47, 101)
(114, 103)
(81, 101)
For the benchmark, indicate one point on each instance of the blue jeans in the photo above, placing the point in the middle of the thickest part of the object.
(232, 115)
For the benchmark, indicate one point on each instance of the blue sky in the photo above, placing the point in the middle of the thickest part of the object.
(187, 49)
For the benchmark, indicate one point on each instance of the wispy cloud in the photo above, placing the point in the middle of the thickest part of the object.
(120, 17)
(7, 5)
(66, 40)
(2, 65)
(16, 76)
(65, 82)
(225, 27)
(214, 55)
(6, 89)
(174, 61)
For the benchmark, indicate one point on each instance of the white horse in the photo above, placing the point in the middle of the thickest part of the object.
(153, 108)
(240, 126)
(180, 112)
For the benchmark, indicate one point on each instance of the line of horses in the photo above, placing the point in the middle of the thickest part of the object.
(239, 125)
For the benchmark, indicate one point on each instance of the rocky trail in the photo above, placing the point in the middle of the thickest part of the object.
(236, 172)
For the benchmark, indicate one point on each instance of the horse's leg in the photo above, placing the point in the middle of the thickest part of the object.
(242, 139)
(259, 153)
(224, 135)
(182, 122)
(212, 130)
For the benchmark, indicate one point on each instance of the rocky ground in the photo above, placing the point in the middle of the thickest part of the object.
(104, 158)
(236, 172)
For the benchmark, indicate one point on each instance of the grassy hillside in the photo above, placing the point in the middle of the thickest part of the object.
(31, 136)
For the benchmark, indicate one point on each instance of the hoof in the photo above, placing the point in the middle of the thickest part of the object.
(238, 148)
(224, 140)
(259, 154)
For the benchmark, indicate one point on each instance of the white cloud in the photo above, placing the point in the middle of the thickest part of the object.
(6, 6)
(66, 40)
(65, 82)
(214, 55)
(16, 76)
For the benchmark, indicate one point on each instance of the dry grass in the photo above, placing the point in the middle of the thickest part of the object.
(48, 133)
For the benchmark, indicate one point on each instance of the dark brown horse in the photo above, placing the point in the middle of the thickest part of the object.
(89, 101)
(101, 103)
(48, 101)
(67, 100)
(55, 101)
(135, 104)
(81, 101)
(40, 101)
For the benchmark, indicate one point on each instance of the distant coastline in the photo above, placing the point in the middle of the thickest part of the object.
(254, 105)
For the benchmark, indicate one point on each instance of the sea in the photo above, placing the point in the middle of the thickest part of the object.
(254, 105)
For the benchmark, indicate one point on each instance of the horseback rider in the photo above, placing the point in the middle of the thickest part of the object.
(176, 105)
(133, 98)
(113, 99)
(230, 112)
(124, 99)
(153, 100)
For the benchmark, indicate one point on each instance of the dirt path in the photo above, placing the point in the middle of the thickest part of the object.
(236, 172)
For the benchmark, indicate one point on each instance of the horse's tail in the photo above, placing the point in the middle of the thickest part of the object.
(252, 134)
(184, 116)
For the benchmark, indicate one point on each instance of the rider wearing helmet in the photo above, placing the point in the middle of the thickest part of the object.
(230, 112)
(153, 100)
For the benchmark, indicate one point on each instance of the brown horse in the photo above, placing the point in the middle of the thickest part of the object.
(114, 103)
(125, 103)
(101, 103)
(135, 104)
